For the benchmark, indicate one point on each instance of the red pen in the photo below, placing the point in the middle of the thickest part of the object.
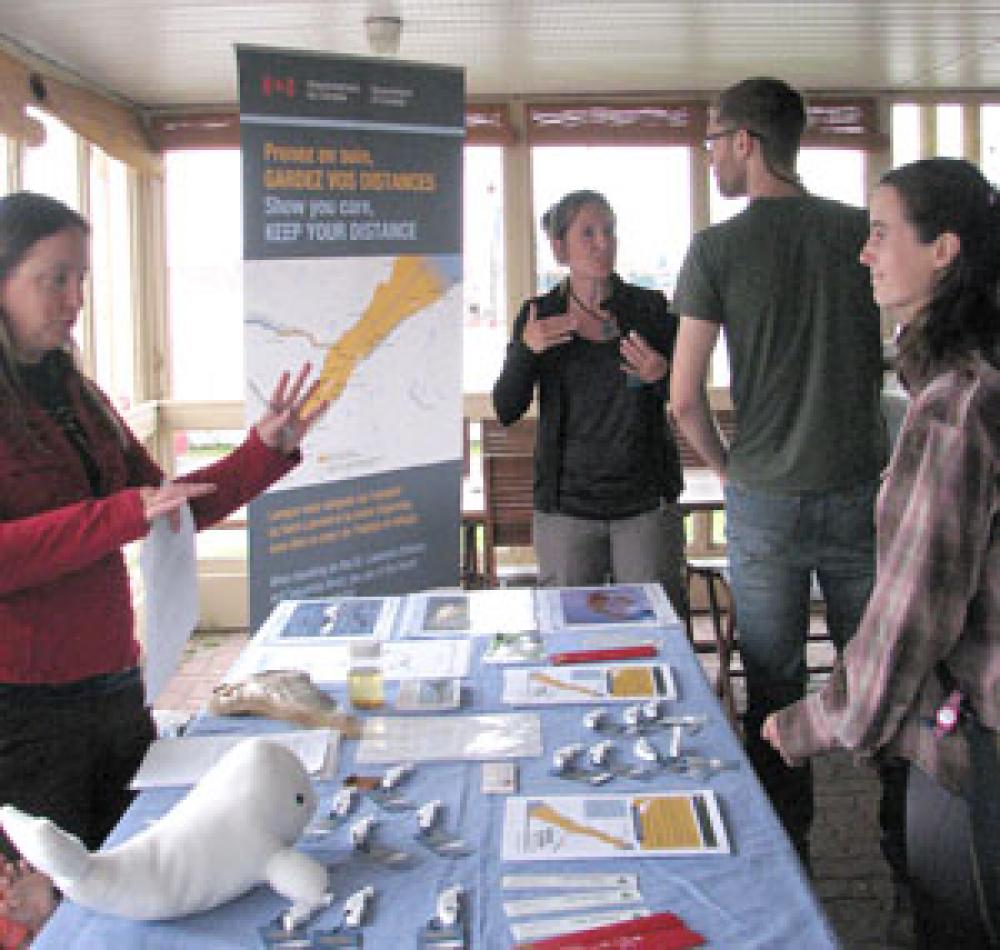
(597, 656)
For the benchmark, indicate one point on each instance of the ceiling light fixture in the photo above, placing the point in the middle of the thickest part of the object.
(383, 34)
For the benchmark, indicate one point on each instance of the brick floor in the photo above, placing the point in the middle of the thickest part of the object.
(206, 658)
(850, 877)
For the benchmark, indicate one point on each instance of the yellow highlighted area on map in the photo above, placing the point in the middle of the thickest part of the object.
(413, 285)
(550, 816)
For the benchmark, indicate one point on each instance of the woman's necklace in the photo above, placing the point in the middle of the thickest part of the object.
(607, 325)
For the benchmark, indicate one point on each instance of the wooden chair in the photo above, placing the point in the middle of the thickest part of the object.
(508, 475)
(713, 572)
(515, 439)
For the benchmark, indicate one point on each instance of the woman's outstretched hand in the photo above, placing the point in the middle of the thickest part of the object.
(167, 500)
(283, 426)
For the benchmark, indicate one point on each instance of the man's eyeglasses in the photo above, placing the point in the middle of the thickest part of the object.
(723, 133)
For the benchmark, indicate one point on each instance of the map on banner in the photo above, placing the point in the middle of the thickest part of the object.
(378, 332)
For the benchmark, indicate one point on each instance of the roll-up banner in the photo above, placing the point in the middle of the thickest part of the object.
(352, 211)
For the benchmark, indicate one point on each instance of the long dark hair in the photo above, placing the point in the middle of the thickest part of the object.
(25, 219)
(942, 195)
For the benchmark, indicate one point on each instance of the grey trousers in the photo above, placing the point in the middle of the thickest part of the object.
(579, 552)
(939, 853)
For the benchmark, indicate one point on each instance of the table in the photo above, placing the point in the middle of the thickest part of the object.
(756, 897)
(702, 491)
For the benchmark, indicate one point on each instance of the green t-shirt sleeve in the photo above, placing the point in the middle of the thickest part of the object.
(697, 294)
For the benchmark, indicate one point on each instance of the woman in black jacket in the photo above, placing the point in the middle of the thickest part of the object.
(607, 472)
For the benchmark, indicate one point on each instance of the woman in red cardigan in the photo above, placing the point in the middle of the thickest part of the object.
(76, 485)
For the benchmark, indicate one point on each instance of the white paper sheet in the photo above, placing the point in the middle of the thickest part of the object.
(561, 827)
(183, 761)
(170, 584)
(608, 683)
(329, 663)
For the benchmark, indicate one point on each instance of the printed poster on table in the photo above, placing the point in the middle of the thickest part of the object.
(607, 606)
(615, 682)
(352, 184)
(659, 824)
(329, 620)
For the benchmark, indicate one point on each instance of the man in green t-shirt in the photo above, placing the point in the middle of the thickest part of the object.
(784, 280)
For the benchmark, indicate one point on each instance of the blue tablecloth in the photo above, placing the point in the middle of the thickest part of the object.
(755, 897)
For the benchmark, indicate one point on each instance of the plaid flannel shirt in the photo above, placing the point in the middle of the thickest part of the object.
(936, 595)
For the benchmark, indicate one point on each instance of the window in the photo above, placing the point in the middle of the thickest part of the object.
(204, 237)
(949, 131)
(53, 168)
(195, 449)
(834, 173)
(989, 135)
(484, 318)
(649, 188)
(905, 133)
(908, 137)
(111, 257)
(204, 219)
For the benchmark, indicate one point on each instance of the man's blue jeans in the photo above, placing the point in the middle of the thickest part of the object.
(776, 542)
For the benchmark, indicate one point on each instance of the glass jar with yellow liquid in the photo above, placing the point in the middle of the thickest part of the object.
(365, 688)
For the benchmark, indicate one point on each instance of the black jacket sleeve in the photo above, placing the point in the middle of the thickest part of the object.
(515, 387)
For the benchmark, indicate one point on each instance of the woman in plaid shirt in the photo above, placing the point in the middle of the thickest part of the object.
(921, 678)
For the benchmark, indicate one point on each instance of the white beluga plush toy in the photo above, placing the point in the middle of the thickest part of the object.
(235, 829)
